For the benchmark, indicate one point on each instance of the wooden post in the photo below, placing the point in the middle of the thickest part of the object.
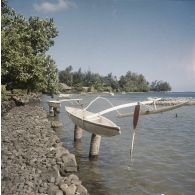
(55, 106)
(94, 145)
(77, 133)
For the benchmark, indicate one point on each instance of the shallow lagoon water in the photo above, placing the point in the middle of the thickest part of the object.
(164, 151)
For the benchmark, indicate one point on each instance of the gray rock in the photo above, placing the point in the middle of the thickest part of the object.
(52, 179)
(69, 160)
(53, 189)
(59, 192)
(81, 190)
(73, 177)
(56, 124)
(42, 190)
(63, 187)
(70, 169)
(76, 182)
(71, 189)
(61, 151)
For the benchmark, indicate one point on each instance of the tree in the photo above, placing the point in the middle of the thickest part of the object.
(129, 82)
(111, 82)
(65, 76)
(133, 82)
(24, 46)
(160, 86)
(52, 81)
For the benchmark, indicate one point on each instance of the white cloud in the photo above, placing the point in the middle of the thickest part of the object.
(47, 6)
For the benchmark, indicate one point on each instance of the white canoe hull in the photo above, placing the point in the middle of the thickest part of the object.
(98, 125)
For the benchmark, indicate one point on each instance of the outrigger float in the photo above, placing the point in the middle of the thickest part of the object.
(99, 125)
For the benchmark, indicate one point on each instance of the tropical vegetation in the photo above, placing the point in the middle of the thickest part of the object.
(24, 62)
(130, 82)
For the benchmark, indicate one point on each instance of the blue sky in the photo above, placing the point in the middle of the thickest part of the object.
(152, 37)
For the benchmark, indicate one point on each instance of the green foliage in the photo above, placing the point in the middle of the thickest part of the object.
(65, 76)
(160, 86)
(52, 82)
(133, 82)
(4, 93)
(24, 44)
(95, 82)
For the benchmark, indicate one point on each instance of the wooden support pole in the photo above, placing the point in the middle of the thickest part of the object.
(55, 106)
(78, 132)
(94, 145)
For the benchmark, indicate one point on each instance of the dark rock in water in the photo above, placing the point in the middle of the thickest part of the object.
(71, 189)
(70, 169)
(81, 190)
(69, 160)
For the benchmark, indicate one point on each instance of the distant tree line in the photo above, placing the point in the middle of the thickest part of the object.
(160, 86)
(130, 82)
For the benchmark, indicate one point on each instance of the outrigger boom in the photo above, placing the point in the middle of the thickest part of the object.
(123, 106)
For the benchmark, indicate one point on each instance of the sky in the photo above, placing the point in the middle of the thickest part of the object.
(155, 38)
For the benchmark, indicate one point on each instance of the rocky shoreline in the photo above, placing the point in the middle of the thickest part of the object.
(34, 161)
(19, 101)
(175, 101)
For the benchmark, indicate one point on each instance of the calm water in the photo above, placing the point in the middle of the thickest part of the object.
(164, 151)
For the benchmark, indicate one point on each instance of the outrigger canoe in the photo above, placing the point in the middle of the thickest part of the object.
(99, 125)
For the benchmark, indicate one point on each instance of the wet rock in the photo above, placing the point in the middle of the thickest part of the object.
(81, 190)
(56, 124)
(69, 160)
(61, 151)
(71, 189)
(65, 170)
